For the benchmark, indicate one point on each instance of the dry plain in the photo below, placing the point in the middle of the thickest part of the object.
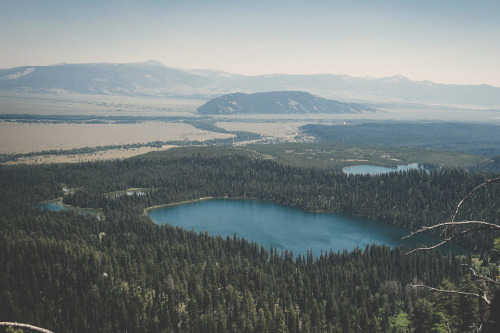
(282, 131)
(33, 137)
(110, 154)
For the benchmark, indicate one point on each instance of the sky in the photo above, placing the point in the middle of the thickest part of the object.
(444, 41)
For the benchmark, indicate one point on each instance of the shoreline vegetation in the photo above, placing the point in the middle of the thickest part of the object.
(146, 210)
(229, 198)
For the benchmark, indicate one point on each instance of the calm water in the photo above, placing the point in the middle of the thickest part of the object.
(57, 206)
(374, 169)
(282, 227)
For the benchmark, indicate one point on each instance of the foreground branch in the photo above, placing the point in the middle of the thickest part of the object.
(30, 327)
(489, 225)
(450, 233)
(449, 227)
(489, 181)
(486, 226)
(480, 276)
(456, 292)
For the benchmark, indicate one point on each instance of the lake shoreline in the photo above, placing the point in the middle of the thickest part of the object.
(146, 210)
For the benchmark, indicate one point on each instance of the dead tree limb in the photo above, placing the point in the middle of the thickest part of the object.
(480, 276)
(450, 234)
(488, 181)
(456, 292)
(27, 326)
(451, 224)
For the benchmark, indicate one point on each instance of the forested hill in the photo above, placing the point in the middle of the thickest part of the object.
(278, 102)
(69, 272)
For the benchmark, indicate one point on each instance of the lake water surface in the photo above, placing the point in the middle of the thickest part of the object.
(283, 227)
(57, 206)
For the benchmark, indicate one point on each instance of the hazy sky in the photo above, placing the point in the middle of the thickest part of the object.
(446, 41)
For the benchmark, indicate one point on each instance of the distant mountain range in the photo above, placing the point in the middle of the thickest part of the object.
(277, 102)
(151, 78)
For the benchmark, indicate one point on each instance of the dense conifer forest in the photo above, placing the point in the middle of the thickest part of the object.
(69, 272)
(476, 138)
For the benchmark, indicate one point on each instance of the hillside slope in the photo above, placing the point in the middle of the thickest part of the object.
(277, 102)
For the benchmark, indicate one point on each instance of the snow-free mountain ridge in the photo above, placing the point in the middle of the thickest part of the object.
(152, 78)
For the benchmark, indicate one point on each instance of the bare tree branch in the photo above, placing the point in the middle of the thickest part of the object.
(449, 227)
(449, 238)
(450, 233)
(30, 327)
(456, 292)
(491, 226)
(482, 276)
(489, 181)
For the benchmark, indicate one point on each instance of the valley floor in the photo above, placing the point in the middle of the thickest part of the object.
(169, 121)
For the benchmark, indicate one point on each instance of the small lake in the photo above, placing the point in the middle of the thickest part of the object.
(283, 227)
(376, 170)
(57, 206)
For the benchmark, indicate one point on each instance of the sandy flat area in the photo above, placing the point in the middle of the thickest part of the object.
(286, 131)
(24, 138)
(110, 154)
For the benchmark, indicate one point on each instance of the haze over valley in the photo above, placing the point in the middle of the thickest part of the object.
(108, 96)
(279, 166)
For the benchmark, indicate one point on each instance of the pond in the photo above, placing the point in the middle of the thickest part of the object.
(270, 224)
(56, 206)
(375, 170)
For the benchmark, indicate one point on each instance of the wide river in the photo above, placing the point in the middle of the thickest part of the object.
(282, 227)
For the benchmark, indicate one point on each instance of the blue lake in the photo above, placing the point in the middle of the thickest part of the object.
(283, 227)
(374, 169)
